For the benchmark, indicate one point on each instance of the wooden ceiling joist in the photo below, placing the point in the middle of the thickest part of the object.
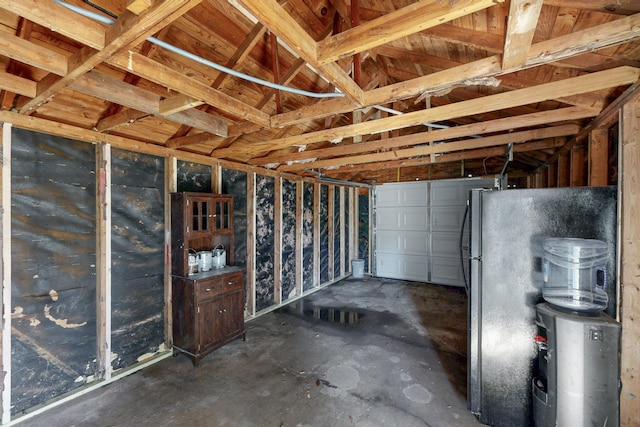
(473, 143)
(392, 26)
(499, 125)
(523, 19)
(590, 82)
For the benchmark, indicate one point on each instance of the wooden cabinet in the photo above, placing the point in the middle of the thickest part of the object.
(199, 221)
(208, 311)
(208, 307)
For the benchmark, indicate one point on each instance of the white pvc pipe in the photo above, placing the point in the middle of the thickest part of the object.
(203, 61)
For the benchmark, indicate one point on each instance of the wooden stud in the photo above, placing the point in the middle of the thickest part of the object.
(577, 166)
(251, 244)
(138, 6)
(563, 170)
(343, 211)
(299, 235)
(103, 261)
(277, 242)
(331, 231)
(5, 270)
(316, 234)
(598, 157)
(629, 292)
(171, 186)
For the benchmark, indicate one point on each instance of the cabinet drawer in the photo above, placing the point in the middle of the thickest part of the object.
(232, 282)
(208, 289)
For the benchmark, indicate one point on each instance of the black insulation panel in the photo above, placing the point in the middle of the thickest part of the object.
(53, 289)
(137, 256)
(265, 273)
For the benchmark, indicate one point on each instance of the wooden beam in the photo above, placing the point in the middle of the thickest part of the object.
(598, 157)
(623, 7)
(177, 103)
(605, 35)
(59, 19)
(33, 54)
(111, 89)
(120, 119)
(498, 125)
(521, 25)
(578, 166)
(19, 85)
(629, 295)
(473, 143)
(128, 30)
(138, 6)
(394, 25)
(165, 76)
(278, 21)
(572, 86)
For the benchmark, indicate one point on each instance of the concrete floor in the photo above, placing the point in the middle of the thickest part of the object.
(398, 358)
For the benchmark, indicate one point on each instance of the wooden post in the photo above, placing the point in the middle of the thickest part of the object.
(171, 186)
(299, 234)
(103, 261)
(629, 307)
(330, 231)
(277, 241)
(5, 270)
(552, 175)
(598, 157)
(563, 170)
(577, 167)
(251, 243)
(316, 234)
(343, 210)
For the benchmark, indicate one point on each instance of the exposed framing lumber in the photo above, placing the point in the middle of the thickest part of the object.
(278, 21)
(343, 210)
(171, 185)
(392, 26)
(298, 236)
(128, 30)
(446, 158)
(601, 36)
(468, 144)
(623, 7)
(316, 234)
(572, 86)
(5, 268)
(19, 85)
(498, 125)
(277, 239)
(331, 231)
(598, 157)
(629, 292)
(251, 245)
(103, 261)
(521, 25)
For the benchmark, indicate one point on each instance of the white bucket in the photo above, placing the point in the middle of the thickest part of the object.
(219, 257)
(358, 268)
(204, 260)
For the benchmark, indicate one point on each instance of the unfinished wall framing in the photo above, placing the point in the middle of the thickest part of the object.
(89, 297)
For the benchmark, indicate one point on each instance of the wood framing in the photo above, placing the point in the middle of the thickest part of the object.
(629, 307)
(598, 157)
(5, 270)
(250, 275)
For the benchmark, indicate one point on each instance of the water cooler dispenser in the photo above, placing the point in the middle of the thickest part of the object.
(577, 372)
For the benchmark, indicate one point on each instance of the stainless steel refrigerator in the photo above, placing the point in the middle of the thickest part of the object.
(506, 231)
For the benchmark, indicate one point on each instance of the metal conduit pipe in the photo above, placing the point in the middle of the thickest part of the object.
(201, 60)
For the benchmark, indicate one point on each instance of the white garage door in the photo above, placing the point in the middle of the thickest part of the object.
(417, 229)
(402, 224)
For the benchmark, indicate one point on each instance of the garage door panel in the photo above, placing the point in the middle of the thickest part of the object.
(402, 194)
(402, 218)
(446, 219)
(414, 243)
(446, 271)
(410, 267)
(445, 244)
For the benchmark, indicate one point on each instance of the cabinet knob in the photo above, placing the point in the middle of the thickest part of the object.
(208, 289)
(220, 311)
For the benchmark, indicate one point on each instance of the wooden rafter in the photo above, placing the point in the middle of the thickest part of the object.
(400, 23)
(596, 81)
(522, 21)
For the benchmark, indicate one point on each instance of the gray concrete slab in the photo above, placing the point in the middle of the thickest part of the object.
(366, 352)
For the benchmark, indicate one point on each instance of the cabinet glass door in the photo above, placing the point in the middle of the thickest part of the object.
(223, 211)
(199, 216)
